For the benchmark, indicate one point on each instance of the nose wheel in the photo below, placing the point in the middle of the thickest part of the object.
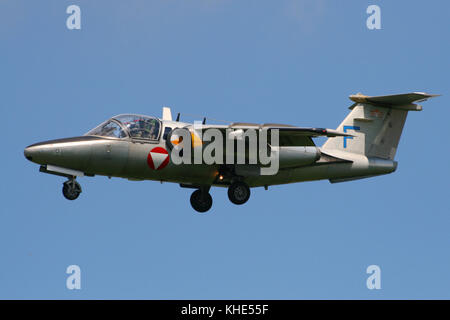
(238, 192)
(201, 200)
(71, 189)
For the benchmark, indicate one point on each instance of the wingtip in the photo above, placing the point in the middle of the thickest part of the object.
(358, 98)
(428, 95)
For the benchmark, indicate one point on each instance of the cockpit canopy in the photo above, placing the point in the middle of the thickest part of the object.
(129, 125)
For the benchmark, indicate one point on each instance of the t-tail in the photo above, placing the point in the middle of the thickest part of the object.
(376, 124)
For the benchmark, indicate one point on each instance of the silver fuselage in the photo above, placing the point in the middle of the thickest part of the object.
(128, 158)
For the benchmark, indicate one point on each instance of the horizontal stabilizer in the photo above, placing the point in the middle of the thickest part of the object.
(403, 101)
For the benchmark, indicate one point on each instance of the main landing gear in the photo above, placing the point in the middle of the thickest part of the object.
(201, 200)
(71, 189)
(238, 193)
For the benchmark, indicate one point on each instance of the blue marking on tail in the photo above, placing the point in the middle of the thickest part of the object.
(349, 128)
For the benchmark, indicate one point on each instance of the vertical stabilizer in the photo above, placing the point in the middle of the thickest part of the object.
(376, 123)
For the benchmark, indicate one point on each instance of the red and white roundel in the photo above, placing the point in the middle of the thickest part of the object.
(158, 158)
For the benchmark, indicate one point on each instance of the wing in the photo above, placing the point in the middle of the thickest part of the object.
(288, 135)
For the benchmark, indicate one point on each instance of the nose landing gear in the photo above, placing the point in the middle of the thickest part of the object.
(71, 189)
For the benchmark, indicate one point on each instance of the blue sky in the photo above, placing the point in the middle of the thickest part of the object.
(287, 61)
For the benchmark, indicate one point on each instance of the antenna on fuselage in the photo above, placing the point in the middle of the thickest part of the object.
(178, 117)
(204, 120)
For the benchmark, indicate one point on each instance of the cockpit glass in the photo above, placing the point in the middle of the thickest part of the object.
(108, 129)
(140, 127)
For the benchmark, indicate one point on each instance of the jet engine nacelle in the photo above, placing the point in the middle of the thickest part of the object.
(296, 156)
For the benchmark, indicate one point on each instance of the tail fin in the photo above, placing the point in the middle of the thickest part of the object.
(377, 124)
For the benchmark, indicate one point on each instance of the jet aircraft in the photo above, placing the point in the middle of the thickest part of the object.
(139, 147)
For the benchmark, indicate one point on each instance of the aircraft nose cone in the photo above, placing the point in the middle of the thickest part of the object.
(40, 153)
(29, 152)
(73, 153)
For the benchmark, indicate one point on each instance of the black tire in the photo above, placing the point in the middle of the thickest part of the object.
(201, 202)
(71, 190)
(238, 192)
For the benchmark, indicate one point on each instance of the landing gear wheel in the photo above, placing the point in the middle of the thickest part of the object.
(201, 201)
(71, 189)
(238, 192)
